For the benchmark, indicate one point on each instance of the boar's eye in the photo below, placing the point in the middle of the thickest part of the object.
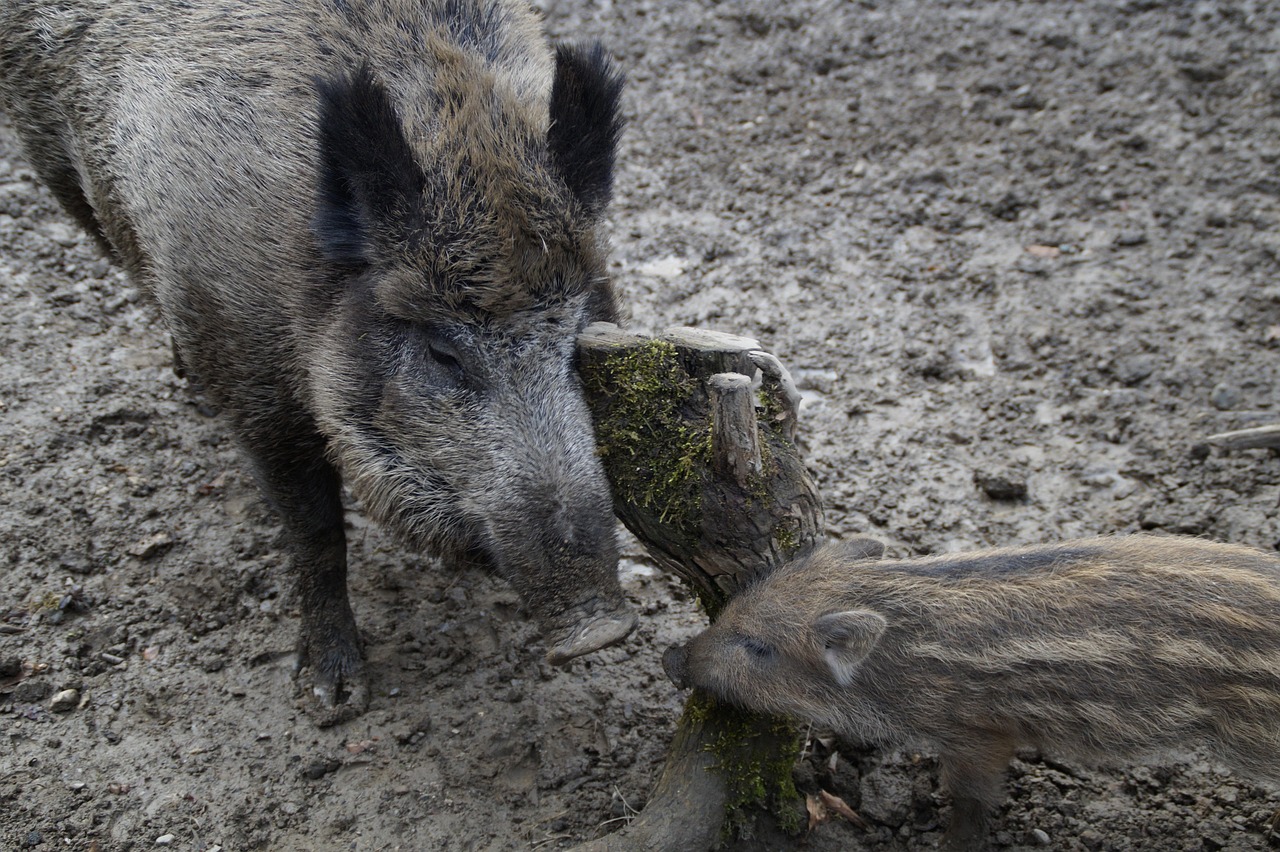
(757, 648)
(442, 356)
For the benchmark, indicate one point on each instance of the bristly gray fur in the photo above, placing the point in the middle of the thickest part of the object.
(374, 253)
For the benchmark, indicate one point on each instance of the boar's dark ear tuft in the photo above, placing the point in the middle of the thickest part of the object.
(585, 122)
(368, 178)
(847, 638)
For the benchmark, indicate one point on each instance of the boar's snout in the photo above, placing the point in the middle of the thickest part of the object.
(556, 545)
(591, 633)
(675, 662)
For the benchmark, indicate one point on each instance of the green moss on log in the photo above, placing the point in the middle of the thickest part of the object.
(785, 536)
(653, 454)
(755, 755)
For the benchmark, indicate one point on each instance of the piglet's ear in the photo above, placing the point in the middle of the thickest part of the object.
(585, 123)
(847, 638)
(861, 548)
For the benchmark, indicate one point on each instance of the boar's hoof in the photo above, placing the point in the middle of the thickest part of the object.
(675, 662)
(341, 700)
(590, 634)
(339, 683)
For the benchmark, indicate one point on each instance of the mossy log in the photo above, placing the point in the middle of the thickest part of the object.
(696, 430)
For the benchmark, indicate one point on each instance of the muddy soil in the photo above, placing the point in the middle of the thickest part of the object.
(1021, 256)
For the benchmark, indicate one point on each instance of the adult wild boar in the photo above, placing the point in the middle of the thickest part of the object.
(373, 230)
(1099, 650)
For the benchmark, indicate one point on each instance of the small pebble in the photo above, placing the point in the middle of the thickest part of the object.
(150, 547)
(164, 840)
(65, 700)
(63, 235)
(1001, 485)
(1040, 837)
(1224, 397)
(1134, 369)
(317, 769)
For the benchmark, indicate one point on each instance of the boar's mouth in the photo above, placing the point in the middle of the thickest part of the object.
(581, 629)
(591, 633)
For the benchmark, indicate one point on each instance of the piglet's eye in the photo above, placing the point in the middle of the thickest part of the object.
(757, 648)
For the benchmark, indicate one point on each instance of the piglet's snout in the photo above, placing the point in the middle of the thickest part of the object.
(675, 662)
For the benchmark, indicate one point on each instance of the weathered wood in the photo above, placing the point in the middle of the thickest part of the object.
(735, 452)
(704, 352)
(1258, 437)
(654, 423)
(696, 430)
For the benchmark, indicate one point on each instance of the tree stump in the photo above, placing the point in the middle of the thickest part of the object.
(696, 431)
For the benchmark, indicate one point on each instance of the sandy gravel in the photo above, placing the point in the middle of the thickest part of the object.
(1035, 243)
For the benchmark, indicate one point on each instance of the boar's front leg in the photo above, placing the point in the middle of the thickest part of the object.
(307, 492)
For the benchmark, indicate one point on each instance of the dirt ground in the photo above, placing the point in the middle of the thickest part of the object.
(1035, 243)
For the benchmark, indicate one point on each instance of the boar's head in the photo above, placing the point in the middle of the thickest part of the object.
(462, 257)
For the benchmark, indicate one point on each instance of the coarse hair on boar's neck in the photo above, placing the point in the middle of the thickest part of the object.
(374, 229)
(492, 212)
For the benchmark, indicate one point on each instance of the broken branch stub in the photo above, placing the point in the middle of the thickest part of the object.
(735, 451)
(695, 430)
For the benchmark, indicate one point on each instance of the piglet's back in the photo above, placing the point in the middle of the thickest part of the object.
(1097, 649)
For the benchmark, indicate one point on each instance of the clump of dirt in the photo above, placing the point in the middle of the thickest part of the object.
(1021, 258)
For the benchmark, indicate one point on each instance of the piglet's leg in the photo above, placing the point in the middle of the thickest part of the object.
(974, 775)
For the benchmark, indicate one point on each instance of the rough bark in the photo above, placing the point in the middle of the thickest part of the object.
(696, 430)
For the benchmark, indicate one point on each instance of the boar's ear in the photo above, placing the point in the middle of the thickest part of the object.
(369, 181)
(585, 123)
(847, 638)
